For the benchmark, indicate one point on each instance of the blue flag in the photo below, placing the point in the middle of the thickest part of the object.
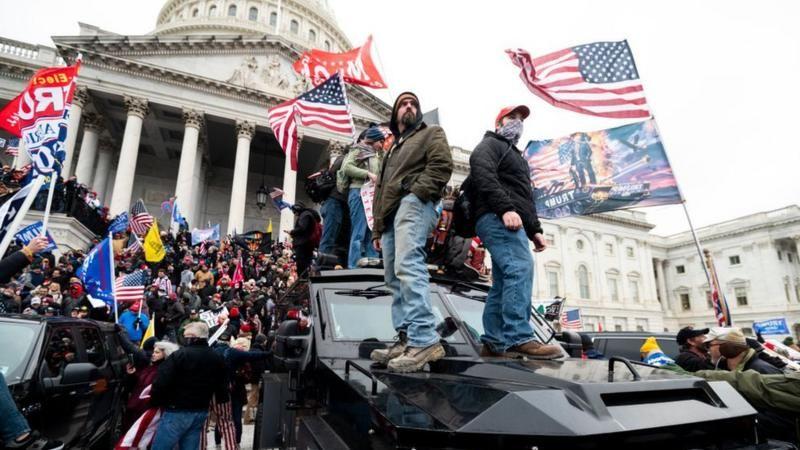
(119, 224)
(205, 234)
(11, 207)
(772, 327)
(97, 274)
(33, 230)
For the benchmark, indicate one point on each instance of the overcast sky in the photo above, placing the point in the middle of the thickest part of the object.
(720, 76)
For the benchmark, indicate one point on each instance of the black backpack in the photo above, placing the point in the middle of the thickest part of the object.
(463, 213)
(320, 187)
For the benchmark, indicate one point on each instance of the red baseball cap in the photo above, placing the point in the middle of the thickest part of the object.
(524, 110)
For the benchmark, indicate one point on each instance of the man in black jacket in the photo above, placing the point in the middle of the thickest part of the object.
(305, 236)
(500, 188)
(184, 386)
(694, 355)
(334, 207)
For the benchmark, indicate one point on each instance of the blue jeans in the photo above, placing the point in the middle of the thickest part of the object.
(181, 428)
(332, 212)
(405, 272)
(12, 422)
(507, 314)
(360, 237)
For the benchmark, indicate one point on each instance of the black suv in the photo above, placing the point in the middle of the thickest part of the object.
(331, 396)
(66, 376)
(628, 343)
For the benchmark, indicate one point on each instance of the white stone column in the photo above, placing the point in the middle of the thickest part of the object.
(100, 179)
(193, 121)
(129, 153)
(92, 127)
(289, 191)
(197, 181)
(244, 134)
(79, 100)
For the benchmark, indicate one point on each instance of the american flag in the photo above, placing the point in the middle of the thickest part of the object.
(326, 106)
(141, 220)
(130, 288)
(571, 320)
(718, 301)
(13, 147)
(134, 245)
(599, 79)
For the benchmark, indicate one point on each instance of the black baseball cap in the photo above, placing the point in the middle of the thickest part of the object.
(687, 333)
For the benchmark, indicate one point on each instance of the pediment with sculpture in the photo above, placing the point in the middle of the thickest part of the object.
(268, 77)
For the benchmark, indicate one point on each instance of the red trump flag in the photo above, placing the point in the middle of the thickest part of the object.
(356, 65)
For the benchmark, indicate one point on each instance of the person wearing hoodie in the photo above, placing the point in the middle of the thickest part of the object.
(499, 187)
(361, 165)
(305, 235)
(412, 180)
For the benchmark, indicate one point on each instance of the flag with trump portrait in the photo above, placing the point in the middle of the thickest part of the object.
(599, 171)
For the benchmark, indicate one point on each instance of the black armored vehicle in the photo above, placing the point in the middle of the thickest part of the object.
(326, 394)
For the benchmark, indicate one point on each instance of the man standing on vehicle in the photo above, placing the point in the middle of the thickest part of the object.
(184, 386)
(412, 179)
(693, 355)
(500, 190)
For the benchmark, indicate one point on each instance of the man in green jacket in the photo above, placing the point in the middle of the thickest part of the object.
(360, 165)
(412, 179)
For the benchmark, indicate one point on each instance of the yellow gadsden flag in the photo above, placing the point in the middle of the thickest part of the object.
(269, 228)
(153, 248)
(150, 332)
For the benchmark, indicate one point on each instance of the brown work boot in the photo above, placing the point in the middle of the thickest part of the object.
(538, 350)
(415, 358)
(384, 355)
(487, 352)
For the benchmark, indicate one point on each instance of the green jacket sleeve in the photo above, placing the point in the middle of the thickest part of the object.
(438, 168)
(771, 391)
(352, 170)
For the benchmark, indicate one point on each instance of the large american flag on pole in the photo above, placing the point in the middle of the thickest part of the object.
(325, 106)
(140, 220)
(599, 79)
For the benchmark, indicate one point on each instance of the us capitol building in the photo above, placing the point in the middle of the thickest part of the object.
(183, 111)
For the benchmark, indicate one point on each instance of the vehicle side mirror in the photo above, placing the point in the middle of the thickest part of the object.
(77, 373)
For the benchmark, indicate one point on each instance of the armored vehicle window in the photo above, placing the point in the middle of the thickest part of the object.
(355, 318)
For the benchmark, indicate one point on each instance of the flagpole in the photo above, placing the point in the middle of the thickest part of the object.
(683, 203)
(26, 205)
(113, 279)
(50, 191)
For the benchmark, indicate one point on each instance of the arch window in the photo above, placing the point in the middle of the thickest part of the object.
(312, 36)
(327, 46)
(273, 19)
(294, 26)
(253, 14)
(212, 11)
(196, 12)
(583, 281)
(579, 244)
(232, 11)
